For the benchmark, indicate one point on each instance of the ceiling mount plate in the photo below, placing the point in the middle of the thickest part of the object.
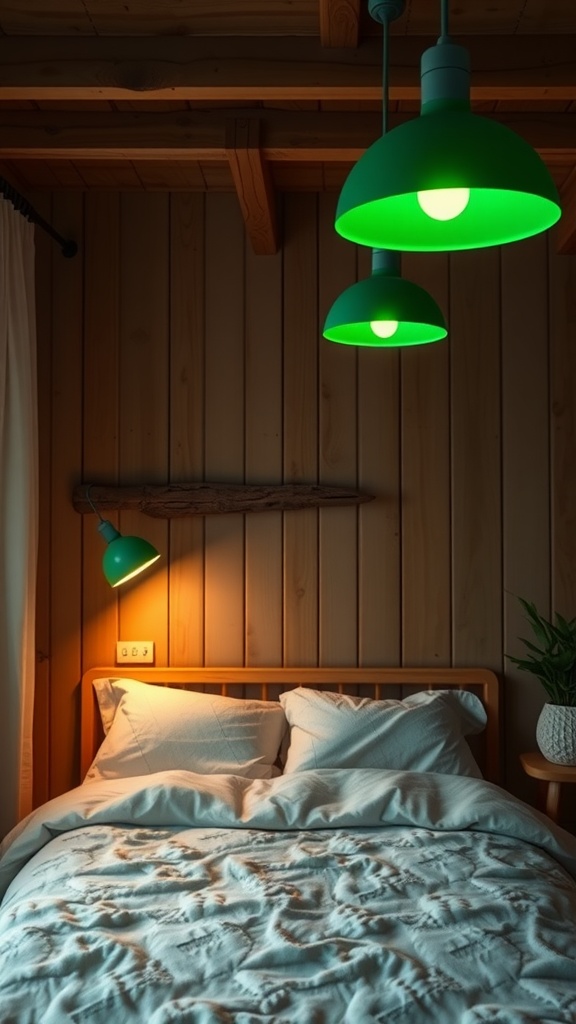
(386, 10)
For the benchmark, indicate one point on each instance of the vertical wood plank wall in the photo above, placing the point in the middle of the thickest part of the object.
(169, 352)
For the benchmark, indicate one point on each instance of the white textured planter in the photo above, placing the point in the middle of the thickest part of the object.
(556, 733)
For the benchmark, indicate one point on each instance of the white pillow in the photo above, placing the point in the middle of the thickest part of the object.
(156, 728)
(423, 733)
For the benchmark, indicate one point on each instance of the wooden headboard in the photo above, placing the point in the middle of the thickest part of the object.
(266, 683)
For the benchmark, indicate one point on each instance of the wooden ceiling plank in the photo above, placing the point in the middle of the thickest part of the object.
(155, 106)
(301, 177)
(37, 174)
(66, 173)
(339, 22)
(172, 177)
(114, 135)
(253, 184)
(110, 174)
(291, 104)
(28, 17)
(566, 227)
(544, 106)
(269, 17)
(217, 176)
(12, 174)
(198, 135)
(72, 105)
(202, 17)
(536, 67)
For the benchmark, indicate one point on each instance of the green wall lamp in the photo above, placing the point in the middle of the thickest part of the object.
(448, 179)
(385, 311)
(124, 557)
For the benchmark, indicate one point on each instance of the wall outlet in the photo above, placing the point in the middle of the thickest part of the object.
(135, 652)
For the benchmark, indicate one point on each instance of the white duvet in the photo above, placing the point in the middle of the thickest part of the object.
(327, 897)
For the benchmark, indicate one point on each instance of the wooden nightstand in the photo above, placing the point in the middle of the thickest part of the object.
(536, 765)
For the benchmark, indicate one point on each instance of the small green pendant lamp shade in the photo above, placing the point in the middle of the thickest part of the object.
(480, 182)
(124, 557)
(385, 311)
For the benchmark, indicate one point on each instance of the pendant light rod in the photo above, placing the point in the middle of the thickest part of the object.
(385, 11)
(386, 261)
(444, 16)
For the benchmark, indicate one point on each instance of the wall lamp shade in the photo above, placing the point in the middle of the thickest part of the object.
(124, 557)
(385, 311)
(506, 190)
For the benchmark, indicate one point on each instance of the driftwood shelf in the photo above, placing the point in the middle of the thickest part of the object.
(203, 499)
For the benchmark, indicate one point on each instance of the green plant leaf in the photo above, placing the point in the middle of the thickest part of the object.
(568, 628)
(540, 626)
(554, 661)
(531, 647)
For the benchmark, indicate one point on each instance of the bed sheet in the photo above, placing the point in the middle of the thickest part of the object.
(318, 898)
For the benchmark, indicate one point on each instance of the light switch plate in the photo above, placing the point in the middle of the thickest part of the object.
(135, 652)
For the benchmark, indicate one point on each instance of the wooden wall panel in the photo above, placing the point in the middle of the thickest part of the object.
(224, 426)
(525, 476)
(476, 458)
(425, 431)
(101, 427)
(143, 396)
(169, 352)
(562, 284)
(186, 422)
(263, 455)
(338, 425)
(301, 426)
(379, 581)
(563, 431)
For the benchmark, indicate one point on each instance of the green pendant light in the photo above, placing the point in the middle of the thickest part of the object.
(448, 179)
(385, 311)
(124, 557)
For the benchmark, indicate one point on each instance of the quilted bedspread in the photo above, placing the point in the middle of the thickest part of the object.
(326, 897)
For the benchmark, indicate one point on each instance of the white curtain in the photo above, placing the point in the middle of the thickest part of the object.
(18, 512)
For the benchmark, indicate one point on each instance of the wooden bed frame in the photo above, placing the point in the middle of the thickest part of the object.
(266, 683)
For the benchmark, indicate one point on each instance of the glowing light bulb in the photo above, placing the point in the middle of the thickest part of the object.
(444, 203)
(384, 328)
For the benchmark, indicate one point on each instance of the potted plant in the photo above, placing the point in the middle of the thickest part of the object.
(552, 659)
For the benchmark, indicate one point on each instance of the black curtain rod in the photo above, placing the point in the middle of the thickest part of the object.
(68, 247)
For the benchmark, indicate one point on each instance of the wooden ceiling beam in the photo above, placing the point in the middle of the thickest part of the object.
(339, 22)
(287, 136)
(253, 184)
(531, 67)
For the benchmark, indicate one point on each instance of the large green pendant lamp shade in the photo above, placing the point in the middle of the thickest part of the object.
(449, 179)
(385, 311)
